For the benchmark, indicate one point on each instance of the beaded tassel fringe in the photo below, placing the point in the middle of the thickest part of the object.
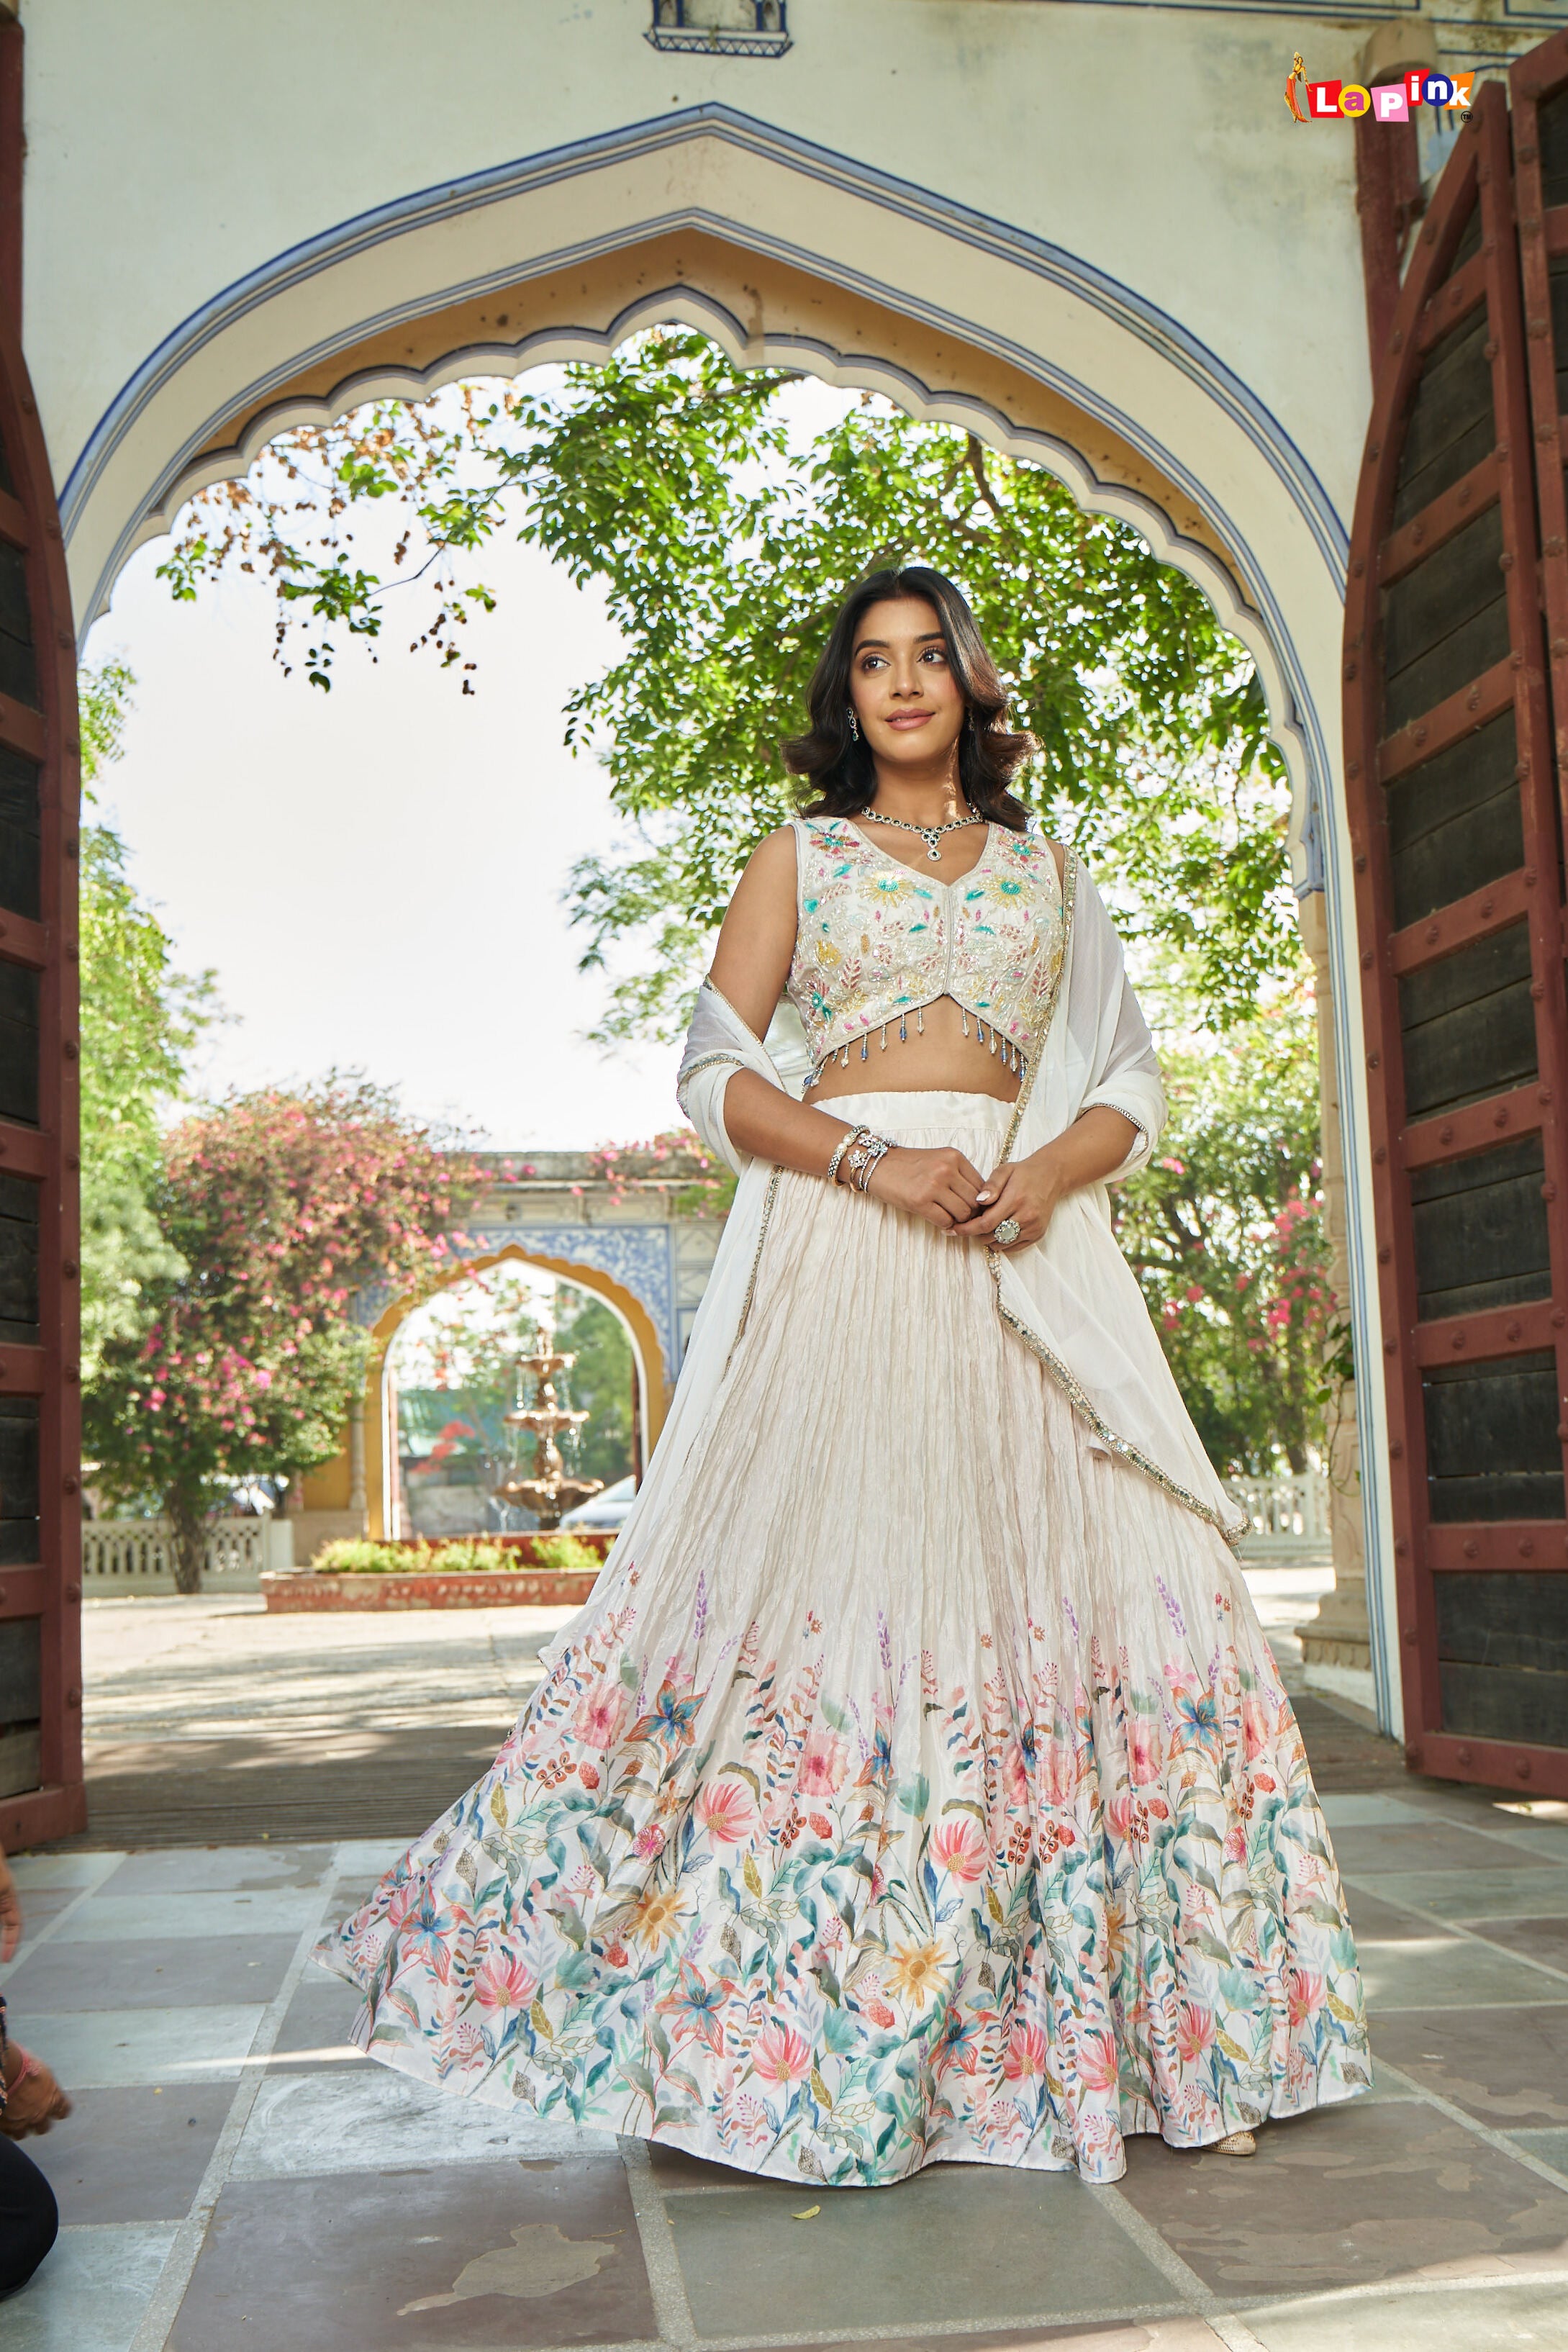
(988, 1035)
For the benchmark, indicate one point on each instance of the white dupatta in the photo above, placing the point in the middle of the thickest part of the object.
(1071, 1297)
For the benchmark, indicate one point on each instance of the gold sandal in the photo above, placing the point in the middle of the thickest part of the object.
(1237, 2143)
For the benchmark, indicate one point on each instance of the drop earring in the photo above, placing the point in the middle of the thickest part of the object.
(854, 723)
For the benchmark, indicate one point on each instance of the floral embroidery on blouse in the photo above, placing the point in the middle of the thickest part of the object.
(877, 941)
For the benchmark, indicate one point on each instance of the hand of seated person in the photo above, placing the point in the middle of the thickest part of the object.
(33, 2100)
(10, 1913)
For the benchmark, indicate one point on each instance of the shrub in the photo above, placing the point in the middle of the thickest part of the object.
(459, 1556)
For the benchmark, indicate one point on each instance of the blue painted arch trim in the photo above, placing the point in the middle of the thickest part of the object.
(449, 199)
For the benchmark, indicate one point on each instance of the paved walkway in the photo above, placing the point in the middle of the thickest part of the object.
(234, 2176)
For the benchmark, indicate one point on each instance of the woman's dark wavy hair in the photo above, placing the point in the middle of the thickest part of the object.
(836, 773)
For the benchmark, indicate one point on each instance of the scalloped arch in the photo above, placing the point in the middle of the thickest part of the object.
(687, 306)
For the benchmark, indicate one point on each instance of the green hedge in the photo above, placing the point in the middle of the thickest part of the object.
(459, 1556)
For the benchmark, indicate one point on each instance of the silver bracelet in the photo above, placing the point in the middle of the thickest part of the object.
(853, 1135)
(862, 1156)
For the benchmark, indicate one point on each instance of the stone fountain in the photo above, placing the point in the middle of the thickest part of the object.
(548, 1491)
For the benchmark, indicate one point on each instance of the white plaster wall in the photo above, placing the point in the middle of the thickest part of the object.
(176, 145)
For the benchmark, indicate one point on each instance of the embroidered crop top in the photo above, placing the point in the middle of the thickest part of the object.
(876, 941)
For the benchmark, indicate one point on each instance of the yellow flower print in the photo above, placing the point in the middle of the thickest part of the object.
(657, 1916)
(893, 886)
(828, 954)
(915, 1972)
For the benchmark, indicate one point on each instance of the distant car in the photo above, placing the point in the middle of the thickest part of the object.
(606, 1509)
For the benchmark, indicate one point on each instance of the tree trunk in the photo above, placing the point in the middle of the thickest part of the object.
(187, 1517)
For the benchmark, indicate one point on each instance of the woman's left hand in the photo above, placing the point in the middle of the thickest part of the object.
(1028, 1191)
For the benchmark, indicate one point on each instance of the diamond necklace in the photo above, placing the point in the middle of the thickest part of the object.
(930, 835)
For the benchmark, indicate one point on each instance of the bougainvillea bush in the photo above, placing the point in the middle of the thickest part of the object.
(1224, 1230)
(278, 1206)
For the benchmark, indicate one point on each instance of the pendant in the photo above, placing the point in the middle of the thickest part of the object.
(935, 853)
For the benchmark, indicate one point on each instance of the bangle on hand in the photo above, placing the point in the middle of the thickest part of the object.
(865, 1150)
(852, 1136)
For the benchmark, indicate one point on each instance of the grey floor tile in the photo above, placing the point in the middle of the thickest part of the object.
(973, 2242)
(1495, 2317)
(1184, 2335)
(1471, 1894)
(1547, 2147)
(1367, 1854)
(1445, 1972)
(368, 1859)
(498, 2256)
(196, 1869)
(1374, 1921)
(145, 1973)
(73, 1870)
(374, 2120)
(131, 2155)
(1349, 2196)
(1352, 1812)
(314, 2032)
(1508, 2067)
(90, 2293)
(98, 2049)
(1545, 1940)
(110, 1917)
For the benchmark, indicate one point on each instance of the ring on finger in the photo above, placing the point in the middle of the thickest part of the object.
(1006, 1233)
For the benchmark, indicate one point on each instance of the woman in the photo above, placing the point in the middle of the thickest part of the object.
(916, 1784)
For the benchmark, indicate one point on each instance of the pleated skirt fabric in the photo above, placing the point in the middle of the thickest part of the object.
(923, 1790)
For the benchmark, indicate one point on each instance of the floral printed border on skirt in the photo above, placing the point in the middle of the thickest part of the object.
(891, 1808)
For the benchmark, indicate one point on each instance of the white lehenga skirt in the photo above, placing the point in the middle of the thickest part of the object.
(923, 1789)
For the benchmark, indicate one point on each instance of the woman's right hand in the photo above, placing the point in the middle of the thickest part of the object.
(940, 1186)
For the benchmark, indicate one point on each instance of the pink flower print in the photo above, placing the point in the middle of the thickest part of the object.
(960, 1848)
(823, 1761)
(1195, 2031)
(725, 1810)
(1236, 1843)
(649, 1842)
(1143, 1750)
(1119, 1814)
(501, 1981)
(600, 1717)
(1304, 1995)
(1254, 1728)
(1094, 2060)
(403, 1902)
(780, 2054)
(1015, 1773)
(1023, 2059)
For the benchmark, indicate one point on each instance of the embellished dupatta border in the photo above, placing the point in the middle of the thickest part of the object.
(1065, 1378)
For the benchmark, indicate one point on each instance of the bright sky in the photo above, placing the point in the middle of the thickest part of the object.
(375, 874)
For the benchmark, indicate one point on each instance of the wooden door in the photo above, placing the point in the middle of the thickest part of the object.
(41, 1793)
(1453, 781)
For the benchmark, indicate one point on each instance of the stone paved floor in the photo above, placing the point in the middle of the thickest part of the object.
(234, 2176)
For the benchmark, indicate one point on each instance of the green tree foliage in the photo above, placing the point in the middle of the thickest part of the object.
(1225, 1232)
(723, 535)
(277, 1208)
(140, 1019)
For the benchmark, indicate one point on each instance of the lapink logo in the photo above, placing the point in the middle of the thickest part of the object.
(1388, 101)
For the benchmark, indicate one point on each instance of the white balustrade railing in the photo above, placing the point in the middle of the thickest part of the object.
(1288, 1514)
(132, 1556)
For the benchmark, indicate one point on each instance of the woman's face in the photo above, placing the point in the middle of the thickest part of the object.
(910, 706)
